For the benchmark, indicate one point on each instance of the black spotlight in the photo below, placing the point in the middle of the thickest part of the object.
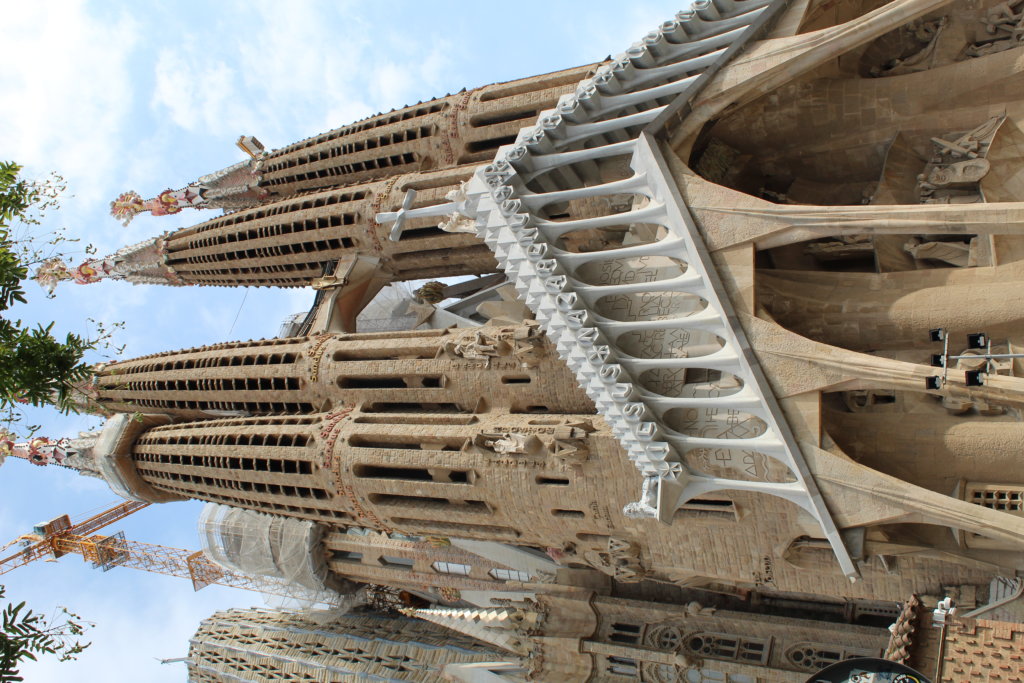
(974, 378)
(933, 383)
(937, 335)
(938, 360)
(978, 340)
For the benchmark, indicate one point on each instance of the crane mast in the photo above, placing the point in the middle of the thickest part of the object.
(107, 552)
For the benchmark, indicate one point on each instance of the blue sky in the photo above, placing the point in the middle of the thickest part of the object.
(145, 96)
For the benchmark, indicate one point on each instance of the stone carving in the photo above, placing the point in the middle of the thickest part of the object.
(563, 555)
(954, 253)
(842, 248)
(952, 175)
(525, 343)
(567, 443)
(962, 198)
(695, 609)
(457, 221)
(668, 673)
(924, 33)
(866, 400)
(544, 576)
(1004, 26)
(316, 353)
(647, 506)
(665, 637)
(529, 348)
(621, 560)
(570, 445)
(508, 443)
(815, 656)
(431, 292)
(449, 594)
(956, 173)
(478, 347)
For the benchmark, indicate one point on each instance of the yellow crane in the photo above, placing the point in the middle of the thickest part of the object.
(60, 537)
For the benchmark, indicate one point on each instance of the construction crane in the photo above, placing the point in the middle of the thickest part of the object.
(44, 537)
(60, 537)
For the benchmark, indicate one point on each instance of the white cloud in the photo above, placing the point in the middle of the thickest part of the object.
(66, 92)
(280, 68)
(200, 94)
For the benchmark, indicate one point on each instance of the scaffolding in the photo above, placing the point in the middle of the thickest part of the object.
(285, 551)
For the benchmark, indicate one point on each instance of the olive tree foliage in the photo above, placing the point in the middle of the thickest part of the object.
(26, 634)
(36, 368)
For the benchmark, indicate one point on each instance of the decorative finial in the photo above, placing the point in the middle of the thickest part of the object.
(38, 450)
(52, 271)
(128, 205)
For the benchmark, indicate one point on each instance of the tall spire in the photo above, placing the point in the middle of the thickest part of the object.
(139, 263)
(104, 454)
(235, 187)
(73, 453)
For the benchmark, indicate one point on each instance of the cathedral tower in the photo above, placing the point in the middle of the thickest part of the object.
(262, 645)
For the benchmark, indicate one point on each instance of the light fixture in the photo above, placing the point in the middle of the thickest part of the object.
(974, 378)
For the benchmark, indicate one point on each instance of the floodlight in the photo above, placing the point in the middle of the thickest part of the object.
(974, 378)
(978, 340)
(937, 335)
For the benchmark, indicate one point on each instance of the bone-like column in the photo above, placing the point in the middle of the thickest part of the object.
(796, 365)
(862, 496)
(867, 311)
(908, 444)
(728, 217)
(771, 63)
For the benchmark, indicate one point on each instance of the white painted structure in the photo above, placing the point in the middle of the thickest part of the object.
(553, 163)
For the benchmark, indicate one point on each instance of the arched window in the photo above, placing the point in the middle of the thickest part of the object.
(816, 656)
(622, 666)
(509, 575)
(728, 647)
(665, 637)
(624, 633)
(812, 657)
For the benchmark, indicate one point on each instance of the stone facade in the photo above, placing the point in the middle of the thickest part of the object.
(463, 128)
(263, 645)
(442, 433)
(289, 242)
(738, 302)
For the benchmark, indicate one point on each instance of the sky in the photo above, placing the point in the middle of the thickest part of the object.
(149, 95)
